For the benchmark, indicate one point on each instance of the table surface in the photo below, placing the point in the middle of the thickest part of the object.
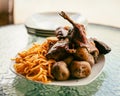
(14, 38)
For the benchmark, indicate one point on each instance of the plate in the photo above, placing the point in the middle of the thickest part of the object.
(43, 33)
(96, 70)
(52, 20)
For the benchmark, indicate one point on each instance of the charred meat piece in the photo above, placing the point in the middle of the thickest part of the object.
(51, 41)
(60, 50)
(62, 32)
(102, 47)
(78, 34)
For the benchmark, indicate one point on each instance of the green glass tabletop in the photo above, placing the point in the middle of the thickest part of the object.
(14, 38)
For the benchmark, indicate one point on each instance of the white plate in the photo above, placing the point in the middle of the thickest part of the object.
(40, 32)
(96, 70)
(52, 20)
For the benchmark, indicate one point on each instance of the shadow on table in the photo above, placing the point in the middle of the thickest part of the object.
(25, 87)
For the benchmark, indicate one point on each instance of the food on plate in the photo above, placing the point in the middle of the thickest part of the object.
(82, 54)
(69, 55)
(80, 69)
(60, 71)
(102, 47)
(33, 64)
(68, 60)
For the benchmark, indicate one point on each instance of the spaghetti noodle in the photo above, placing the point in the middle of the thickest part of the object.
(33, 64)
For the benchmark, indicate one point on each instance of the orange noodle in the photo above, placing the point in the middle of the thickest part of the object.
(33, 64)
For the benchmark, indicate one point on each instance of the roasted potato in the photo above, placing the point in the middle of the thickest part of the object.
(60, 71)
(80, 69)
(82, 54)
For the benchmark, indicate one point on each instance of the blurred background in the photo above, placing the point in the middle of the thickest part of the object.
(105, 12)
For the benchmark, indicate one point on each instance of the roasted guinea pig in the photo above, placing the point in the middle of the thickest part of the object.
(74, 50)
(71, 40)
(62, 32)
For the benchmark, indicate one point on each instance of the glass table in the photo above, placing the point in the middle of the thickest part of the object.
(14, 38)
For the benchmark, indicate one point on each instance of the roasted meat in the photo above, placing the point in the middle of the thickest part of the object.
(78, 34)
(102, 47)
(73, 52)
(72, 39)
(60, 50)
